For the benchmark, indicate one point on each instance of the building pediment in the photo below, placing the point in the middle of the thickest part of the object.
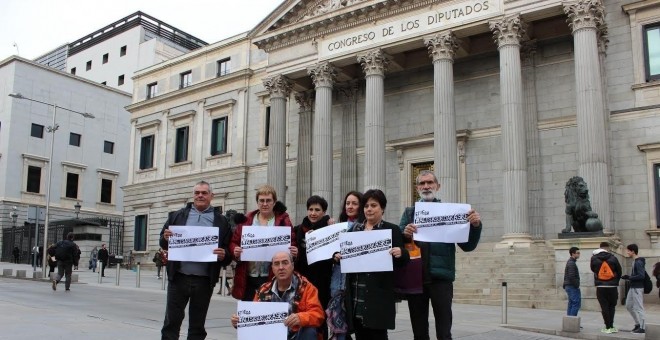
(296, 21)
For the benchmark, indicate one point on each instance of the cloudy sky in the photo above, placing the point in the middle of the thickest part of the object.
(38, 26)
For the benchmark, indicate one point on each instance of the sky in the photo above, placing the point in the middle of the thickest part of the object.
(31, 28)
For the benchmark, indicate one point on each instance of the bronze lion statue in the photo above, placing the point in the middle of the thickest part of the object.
(579, 215)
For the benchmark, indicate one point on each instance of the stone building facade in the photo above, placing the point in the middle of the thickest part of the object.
(505, 99)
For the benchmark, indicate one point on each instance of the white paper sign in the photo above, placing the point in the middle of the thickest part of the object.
(366, 251)
(261, 243)
(324, 242)
(262, 320)
(442, 222)
(192, 243)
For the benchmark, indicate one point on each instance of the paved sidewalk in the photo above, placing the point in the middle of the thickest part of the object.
(470, 321)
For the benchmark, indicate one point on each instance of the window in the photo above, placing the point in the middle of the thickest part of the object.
(37, 131)
(652, 51)
(72, 185)
(108, 147)
(33, 179)
(105, 58)
(73, 71)
(89, 65)
(223, 67)
(106, 190)
(219, 136)
(147, 152)
(267, 127)
(74, 139)
(120, 80)
(140, 237)
(186, 79)
(181, 150)
(152, 90)
(122, 51)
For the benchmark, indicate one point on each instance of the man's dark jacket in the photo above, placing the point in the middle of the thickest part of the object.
(597, 260)
(103, 256)
(571, 274)
(180, 217)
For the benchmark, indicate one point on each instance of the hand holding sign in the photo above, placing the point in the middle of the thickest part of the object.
(440, 222)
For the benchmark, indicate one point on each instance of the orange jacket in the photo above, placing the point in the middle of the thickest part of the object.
(306, 302)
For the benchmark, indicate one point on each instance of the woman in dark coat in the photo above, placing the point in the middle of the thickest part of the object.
(370, 300)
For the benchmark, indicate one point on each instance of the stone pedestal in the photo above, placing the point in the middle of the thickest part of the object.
(587, 245)
(570, 324)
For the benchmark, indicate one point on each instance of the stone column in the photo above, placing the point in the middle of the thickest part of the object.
(586, 17)
(508, 32)
(304, 160)
(348, 179)
(532, 134)
(131, 153)
(442, 48)
(197, 128)
(374, 63)
(279, 88)
(323, 76)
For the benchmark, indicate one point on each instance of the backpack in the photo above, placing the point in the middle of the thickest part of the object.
(605, 273)
(63, 251)
(648, 285)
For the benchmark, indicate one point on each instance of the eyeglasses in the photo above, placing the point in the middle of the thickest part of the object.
(265, 201)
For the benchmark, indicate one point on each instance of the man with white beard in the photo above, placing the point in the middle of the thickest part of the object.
(438, 266)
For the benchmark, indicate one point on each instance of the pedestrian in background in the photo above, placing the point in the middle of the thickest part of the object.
(17, 253)
(635, 297)
(103, 257)
(65, 251)
(159, 261)
(607, 273)
(572, 282)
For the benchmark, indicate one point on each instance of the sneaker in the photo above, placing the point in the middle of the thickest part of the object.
(54, 284)
(634, 329)
(605, 330)
(614, 330)
(639, 331)
(68, 290)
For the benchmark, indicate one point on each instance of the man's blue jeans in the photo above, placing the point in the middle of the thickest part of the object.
(574, 300)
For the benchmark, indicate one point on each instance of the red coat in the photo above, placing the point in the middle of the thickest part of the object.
(241, 274)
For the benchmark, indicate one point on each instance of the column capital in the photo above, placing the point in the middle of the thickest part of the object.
(305, 101)
(510, 30)
(527, 52)
(278, 86)
(348, 90)
(603, 39)
(585, 14)
(323, 74)
(442, 46)
(374, 62)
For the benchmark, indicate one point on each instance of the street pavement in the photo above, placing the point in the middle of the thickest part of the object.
(30, 310)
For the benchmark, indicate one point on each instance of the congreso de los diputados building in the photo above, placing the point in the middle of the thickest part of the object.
(506, 100)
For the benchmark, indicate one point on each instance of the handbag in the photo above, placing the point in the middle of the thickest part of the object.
(408, 279)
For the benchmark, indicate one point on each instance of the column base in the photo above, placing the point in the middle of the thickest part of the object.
(515, 241)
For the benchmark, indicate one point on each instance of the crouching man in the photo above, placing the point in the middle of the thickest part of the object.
(305, 311)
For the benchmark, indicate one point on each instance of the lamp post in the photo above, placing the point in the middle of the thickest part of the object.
(77, 209)
(51, 129)
(14, 217)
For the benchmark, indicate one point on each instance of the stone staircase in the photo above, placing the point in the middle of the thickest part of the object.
(529, 273)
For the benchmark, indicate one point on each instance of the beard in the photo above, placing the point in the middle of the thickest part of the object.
(427, 195)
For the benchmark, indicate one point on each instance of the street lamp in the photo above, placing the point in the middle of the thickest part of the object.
(77, 207)
(52, 130)
(14, 215)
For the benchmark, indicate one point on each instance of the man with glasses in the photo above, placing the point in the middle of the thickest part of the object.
(438, 266)
(572, 282)
(190, 281)
(249, 275)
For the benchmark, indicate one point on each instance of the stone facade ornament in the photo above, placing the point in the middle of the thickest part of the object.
(511, 30)
(322, 7)
(323, 74)
(374, 62)
(278, 86)
(603, 39)
(305, 101)
(442, 45)
(579, 215)
(527, 52)
(585, 14)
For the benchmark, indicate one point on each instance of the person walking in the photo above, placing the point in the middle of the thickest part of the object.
(635, 297)
(572, 282)
(52, 260)
(438, 266)
(158, 259)
(191, 281)
(607, 273)
(17, 253)
(93, 258)
(103, 257)
(65, 251)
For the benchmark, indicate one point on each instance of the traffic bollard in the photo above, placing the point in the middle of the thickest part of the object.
(117, 275)
(100, 271)
(504, 303)
(164, 278)
(137, 276)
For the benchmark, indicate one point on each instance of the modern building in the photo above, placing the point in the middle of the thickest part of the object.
(84, 152)
(111, 54)
(506, 100)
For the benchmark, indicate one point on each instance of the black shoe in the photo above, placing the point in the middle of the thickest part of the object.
(68, 290)
(639, 331)
(102, 275)
(634, 329)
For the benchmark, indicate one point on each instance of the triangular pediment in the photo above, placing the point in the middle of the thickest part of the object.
(293, 13)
